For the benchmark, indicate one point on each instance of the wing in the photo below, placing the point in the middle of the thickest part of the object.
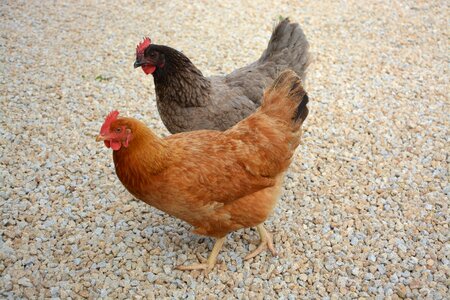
(212, 167)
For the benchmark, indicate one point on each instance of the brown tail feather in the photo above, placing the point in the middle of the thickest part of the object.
(286, 98)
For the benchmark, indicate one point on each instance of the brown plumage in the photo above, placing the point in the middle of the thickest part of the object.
(216, 181)
(189, 101)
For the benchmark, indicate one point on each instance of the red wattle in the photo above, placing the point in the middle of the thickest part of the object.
(115, 145)
(148, 69)
(107, 144)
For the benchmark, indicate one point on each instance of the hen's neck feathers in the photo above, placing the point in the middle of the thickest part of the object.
(180, 81)
(145, 155)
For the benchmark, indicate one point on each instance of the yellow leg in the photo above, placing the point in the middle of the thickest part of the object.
(266, 242)
(209, 264)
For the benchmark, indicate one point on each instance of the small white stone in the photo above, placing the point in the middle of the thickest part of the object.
(25, 282)
(151, 277)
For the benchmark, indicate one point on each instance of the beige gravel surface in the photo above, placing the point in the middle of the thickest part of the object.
(365, 209)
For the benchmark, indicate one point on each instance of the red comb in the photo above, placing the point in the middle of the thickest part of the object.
(109, 119)
(143, 45)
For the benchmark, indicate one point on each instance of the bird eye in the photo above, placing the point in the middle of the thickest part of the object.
(118, 129)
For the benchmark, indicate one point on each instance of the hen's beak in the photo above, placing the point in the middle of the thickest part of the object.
(100, 138)
(137, 64)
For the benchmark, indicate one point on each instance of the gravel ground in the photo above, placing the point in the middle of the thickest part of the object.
(365, 209)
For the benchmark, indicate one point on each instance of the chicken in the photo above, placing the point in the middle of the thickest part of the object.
(189, 101)
(216, 181)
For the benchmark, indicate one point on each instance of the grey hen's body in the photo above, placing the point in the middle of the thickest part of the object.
(188, 101)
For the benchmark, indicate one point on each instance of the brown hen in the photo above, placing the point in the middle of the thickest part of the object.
(216, 181)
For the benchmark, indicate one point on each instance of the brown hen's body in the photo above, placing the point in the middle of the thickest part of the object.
(218, 181)
(206, 180)
(188, 101)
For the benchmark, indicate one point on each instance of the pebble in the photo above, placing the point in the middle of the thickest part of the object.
(7, 283)
(415, 284)
(151, 277)
(342, 281)
(54, 291)
(368, 276)
(25, 282)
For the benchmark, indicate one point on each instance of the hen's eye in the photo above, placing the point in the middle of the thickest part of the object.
(118, 130)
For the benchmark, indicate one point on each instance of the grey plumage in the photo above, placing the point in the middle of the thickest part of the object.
(189, 101)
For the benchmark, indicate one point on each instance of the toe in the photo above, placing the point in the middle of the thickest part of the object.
(208, 269)
(272, 250)
(192, 267)
(201, 258)
(257, 251)
(271, 246)
(205, 267)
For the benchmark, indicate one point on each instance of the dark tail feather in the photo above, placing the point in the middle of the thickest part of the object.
(302, 110)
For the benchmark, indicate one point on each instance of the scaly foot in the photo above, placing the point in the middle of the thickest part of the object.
(266, 243)
(209, 264)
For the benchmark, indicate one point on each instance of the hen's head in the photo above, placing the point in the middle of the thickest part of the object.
(148, 57)
(116, 132)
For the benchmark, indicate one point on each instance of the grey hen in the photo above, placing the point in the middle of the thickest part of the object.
(189, 101)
